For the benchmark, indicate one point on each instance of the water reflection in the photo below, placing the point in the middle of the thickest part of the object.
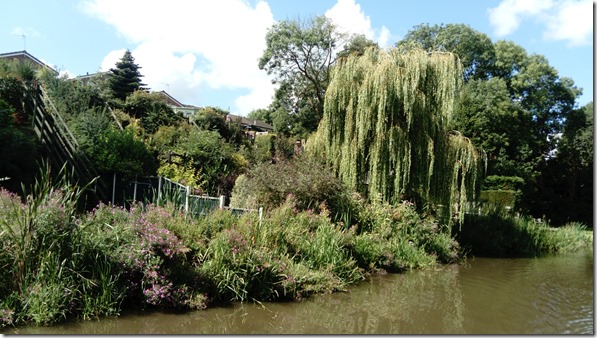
(550, 295)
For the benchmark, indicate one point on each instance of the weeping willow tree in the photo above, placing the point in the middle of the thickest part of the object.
(385, 130)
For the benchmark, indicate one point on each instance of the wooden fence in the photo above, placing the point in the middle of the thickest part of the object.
(60, 144)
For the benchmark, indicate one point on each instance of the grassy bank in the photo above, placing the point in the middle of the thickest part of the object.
(497, 233)
(57, 264)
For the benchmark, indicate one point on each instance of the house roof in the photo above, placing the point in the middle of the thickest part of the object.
(24, 55)
(250, 123)
(171, 100)
(87, 77)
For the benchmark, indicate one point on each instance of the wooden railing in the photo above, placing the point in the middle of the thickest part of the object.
(61, 145)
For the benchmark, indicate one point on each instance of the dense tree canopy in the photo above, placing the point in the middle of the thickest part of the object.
(474, 49)
(152, 110)
(564, 191)
(513, 104)
(300, 54)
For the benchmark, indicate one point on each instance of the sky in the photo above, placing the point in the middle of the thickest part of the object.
(205, 53)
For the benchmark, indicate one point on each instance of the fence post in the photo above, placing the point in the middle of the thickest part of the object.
(260, 215)
(135, 191)
(222, 198)
(159, 190)
(113, 188)
(186, 199)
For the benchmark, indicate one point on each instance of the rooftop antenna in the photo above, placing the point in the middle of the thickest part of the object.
(24, 40)
(167, 87)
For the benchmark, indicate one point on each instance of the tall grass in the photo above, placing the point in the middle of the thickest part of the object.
(498, 233)
(44, 260)
(51, 269)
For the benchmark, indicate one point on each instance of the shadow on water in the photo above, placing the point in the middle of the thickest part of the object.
(548, 295)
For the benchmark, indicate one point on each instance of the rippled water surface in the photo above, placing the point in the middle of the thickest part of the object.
(549, 295)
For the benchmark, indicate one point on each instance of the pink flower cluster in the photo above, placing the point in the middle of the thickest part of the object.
(161, 292)
(236, 241)
(157, 237)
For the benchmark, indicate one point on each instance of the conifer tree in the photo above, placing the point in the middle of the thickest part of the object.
(125, 78)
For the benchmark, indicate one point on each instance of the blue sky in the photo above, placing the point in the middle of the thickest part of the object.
(205, 52)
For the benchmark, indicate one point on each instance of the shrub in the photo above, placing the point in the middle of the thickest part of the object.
(397, 237)
(51, 269)
(151, 108)
(18, 148)
(182, 173)
(311, 184)
(121, 152)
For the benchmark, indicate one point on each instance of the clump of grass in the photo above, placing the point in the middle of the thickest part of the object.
(498, 233)
(46, 265)
(396, 237)
(571, 237)
(288, 255)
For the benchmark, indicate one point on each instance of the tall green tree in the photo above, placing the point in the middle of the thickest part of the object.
(125, 78)
(474, 48)
(385, 130)
(487, 115)
(300, 54)
(262, 114)
(565, 187)
(357, 43)
(513, 103)
(151, 108)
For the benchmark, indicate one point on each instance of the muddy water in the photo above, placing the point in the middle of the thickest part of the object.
(549, 295)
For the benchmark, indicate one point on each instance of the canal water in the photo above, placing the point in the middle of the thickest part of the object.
(548, 295)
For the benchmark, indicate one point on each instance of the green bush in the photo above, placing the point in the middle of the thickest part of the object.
(404, 225)
(18, 148)
(310, 183)
(121, 152)
(152, 110)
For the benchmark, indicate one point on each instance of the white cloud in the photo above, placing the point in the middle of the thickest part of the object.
(384, 37)
(573, 21)
(110, 60)
(350, 18)
(193, 44)
(260, 93)
(570, 20)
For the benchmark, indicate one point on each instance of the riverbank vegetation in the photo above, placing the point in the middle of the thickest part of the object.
(399, 144)
(59, 264)
(495, 232)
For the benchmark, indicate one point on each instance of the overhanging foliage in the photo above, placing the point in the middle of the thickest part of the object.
(384, 129)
